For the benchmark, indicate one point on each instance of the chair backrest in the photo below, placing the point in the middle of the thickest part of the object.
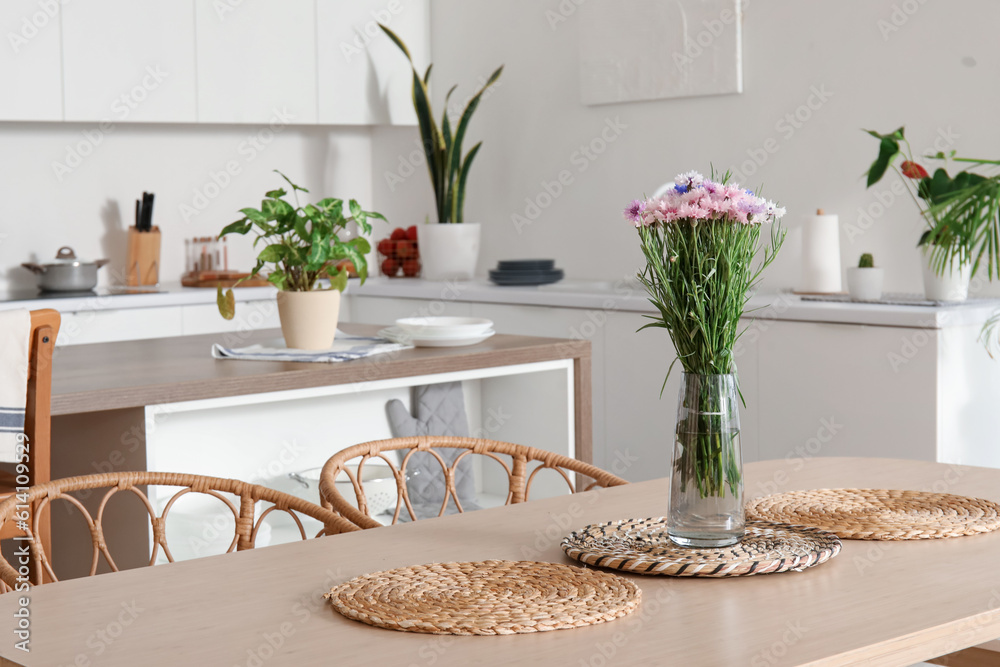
(520, 474)
(40, 497)
(38, 410)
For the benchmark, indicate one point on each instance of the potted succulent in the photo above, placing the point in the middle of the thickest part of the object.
(864, 281)
(448, 250)
(962, 213)
(302, 247)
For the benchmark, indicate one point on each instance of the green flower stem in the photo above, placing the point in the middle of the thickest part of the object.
(699, 276)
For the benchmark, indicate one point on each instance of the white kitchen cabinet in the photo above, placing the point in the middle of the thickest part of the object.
(571, 323)
(256, 61)
(250, 316)
(363, 77)
(839, 390)
(107, 326)
(377, 310)
(129, 60)
(640, 423)
(31, 61)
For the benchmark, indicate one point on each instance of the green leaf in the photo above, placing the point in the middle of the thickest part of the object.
(289, 181)
(278, 278)
(888, 149)
(398, 42)
(459, 204)
(353, 253)
(338, 278)
(356, 211)
(273, 253)
(254, 214)
(427, 74)
(275, 194)
(319, 252)
(278, 209)
(361, 245)
(455, 150)
(226, 303)
(238, 227)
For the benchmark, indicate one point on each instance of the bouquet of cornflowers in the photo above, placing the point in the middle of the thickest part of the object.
(700, 239)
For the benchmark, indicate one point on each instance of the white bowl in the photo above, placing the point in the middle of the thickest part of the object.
(444, 327)
(377, 482)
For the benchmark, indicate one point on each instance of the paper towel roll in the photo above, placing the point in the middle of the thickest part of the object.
(821, 269)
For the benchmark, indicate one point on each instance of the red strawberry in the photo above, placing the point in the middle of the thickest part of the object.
(406, 249)
(913, 170)
(390, 267)
(387, 247)
(411, 232)
(411, 267)
(398, 234)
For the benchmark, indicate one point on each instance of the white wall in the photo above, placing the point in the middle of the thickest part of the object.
(937, 73)
(534, 127)
(90, 206)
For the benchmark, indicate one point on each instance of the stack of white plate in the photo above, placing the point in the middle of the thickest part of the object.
(439, 331)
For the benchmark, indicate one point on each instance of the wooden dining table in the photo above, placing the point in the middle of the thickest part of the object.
(876, 603)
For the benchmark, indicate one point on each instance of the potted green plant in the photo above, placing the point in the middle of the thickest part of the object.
(864, 281)
(962, 214)
(448, 250)
(303, 246)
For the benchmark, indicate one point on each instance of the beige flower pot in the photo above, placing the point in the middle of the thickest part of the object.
(309, 319)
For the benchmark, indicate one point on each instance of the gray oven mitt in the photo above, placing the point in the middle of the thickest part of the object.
(439, 409)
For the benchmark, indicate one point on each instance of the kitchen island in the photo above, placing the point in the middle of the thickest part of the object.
(167, 405)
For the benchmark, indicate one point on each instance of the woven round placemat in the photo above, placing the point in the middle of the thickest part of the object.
(642, 546)
(880, 514)
(493, 597)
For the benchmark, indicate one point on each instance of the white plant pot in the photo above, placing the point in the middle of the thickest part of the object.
(952, 286)
(449, 251)
(309, 319)
(865, 284)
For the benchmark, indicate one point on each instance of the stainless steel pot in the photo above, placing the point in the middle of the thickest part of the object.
(66, 273)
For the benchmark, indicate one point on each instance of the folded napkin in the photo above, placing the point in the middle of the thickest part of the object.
(15, 337)
(345, 348)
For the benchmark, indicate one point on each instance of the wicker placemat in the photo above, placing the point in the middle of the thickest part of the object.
(642, 546)
(878, 514)
(493, 597)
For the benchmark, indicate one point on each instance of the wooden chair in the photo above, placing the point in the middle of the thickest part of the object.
(247, 525)
(519, 474)
(37, 419)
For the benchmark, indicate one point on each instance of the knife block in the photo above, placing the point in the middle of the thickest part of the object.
(143, 260)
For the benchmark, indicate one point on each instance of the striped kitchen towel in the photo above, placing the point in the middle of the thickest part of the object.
(15, 336)
(345, 348)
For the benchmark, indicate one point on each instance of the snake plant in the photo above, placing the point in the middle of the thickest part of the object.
(449, 169)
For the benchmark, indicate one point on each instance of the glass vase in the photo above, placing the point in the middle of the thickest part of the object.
(705, 507)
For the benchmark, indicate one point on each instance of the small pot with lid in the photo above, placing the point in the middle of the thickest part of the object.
(66, 273)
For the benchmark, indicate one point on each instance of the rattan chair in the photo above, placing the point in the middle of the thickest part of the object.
(39, 498)
(37, 456)
(520, 472)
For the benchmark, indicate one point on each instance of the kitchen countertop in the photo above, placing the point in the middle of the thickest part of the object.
(623, 295)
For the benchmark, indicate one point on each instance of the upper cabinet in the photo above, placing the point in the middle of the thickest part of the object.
(129, 60)
(298, 62)
(256, 61)
(363, 78)
(30, 61)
